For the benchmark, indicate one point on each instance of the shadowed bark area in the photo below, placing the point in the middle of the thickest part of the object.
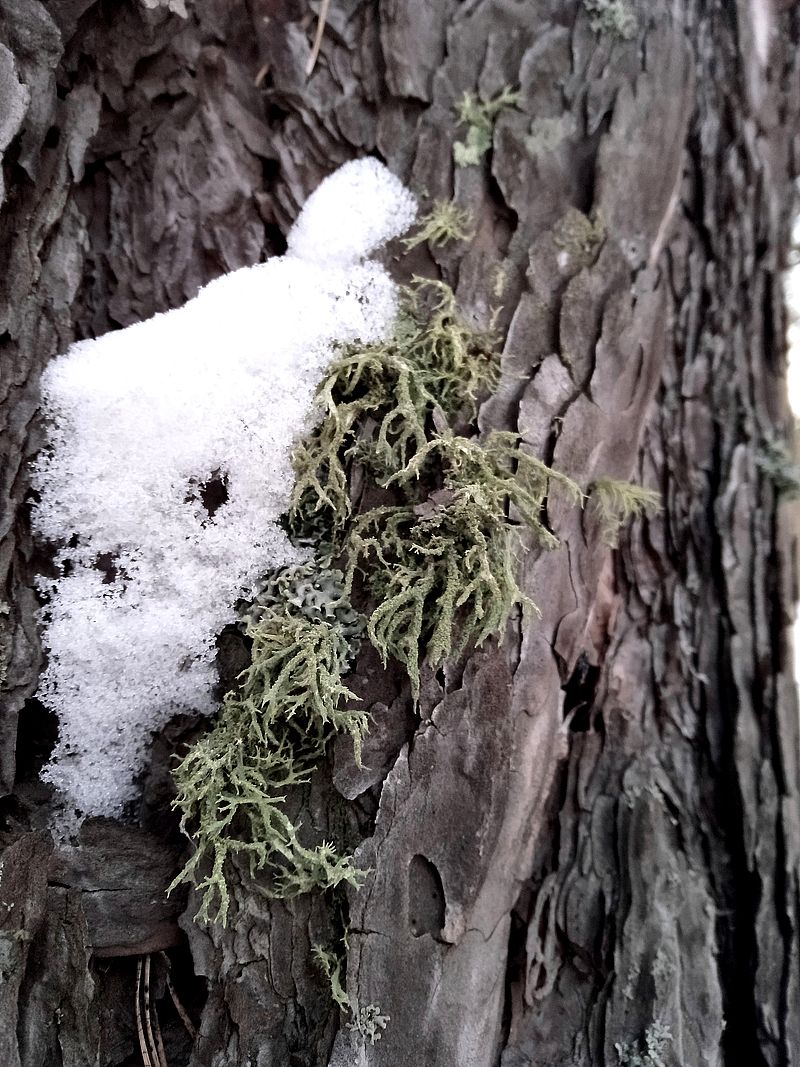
(592, 830)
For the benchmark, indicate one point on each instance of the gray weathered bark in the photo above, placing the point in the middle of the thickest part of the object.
(594, 827)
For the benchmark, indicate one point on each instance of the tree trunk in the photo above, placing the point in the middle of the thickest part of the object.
(591, 832)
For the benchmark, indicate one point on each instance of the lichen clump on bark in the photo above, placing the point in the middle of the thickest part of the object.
(441, 569)
(270, 735)
(446, 221)
(378, 401)
(616, 18)
(617, 502)
(432, 565)
(479, 117)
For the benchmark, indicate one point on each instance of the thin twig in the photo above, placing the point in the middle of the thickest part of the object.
(162, 1056)
(179, 1008)
(323, 17)
(139, 1028)
(148, 1021)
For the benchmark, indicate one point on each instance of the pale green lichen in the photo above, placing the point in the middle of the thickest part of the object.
(378, 400)
(369, 1022)
(436, 564)
(579, 236)
(446, 221)
(649, 1052)
(775, 460)
(331, 966)
(445, 566)
(616, 18)
(479, 116)
(315, 592)
(617, 502)
(270, 735)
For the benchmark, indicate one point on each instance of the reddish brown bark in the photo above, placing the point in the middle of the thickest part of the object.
(603, 810)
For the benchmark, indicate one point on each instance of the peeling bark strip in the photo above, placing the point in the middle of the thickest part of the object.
(593, 833)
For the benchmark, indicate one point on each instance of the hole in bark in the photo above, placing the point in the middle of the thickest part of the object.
(275, 113)
(584, 165)
(115, 995)
(579, 693)
(52, 137)
(37, 733)
(276, 242)
(425, 898)
(271, 169)
(233, 657)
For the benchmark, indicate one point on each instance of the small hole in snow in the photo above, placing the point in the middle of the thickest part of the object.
(107, 563)
(212, 493)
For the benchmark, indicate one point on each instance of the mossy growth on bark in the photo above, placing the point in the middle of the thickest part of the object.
(617, 503)
(270, 735)
(442, 569)
(617, 18)
(431, 564)
(446, 221)
(777, 463)
(579, 236)
(479, 117)
(378, 401)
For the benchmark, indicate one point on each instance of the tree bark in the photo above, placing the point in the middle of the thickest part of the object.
(591, 831)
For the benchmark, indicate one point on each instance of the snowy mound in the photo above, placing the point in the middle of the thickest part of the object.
(169, 465)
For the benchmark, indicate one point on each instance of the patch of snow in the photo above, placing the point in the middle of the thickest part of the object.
(375, 204)
(169, 464)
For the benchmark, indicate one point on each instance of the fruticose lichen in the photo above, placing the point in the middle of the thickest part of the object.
(617, 502)
(774, 458)
(649, 1052)
(378, 400)
(331, 966)
(430, 561)
(370, 1022)
(270, 735)
(445, 565)
(479, 116)
(614, 17)
(446, 221)
(433, 560)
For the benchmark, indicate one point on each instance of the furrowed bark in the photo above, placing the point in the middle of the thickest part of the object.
(592, 830)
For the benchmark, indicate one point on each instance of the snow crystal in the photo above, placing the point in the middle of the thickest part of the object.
(169, 465)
